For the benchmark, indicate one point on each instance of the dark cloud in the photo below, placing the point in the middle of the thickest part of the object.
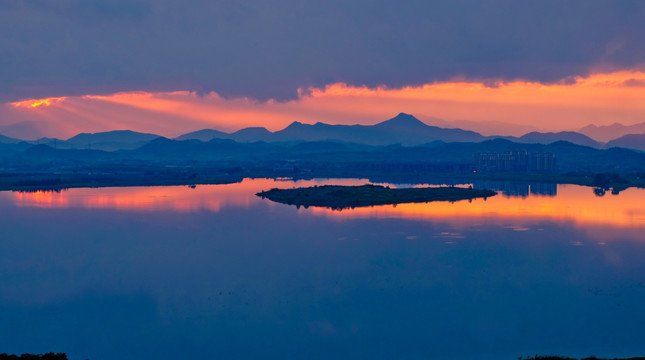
(270, 49)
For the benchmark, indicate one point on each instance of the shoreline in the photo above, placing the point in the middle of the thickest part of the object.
(56, 181)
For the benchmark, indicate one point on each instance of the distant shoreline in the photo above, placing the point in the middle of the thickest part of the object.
(187, 176)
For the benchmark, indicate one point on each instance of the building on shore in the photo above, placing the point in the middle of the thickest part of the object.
(516, 161)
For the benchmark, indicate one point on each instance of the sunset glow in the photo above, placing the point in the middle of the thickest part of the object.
(601, 98)
(573, 204)
(34, 103)
(141, 143)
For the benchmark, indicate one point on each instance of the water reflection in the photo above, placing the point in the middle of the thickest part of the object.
(573, 204)
(216, 272)
(561, 203)
(158, 198)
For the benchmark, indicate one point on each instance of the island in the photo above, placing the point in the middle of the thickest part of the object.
(339, 197)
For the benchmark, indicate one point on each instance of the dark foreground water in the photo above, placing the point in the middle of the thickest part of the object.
(214, 272)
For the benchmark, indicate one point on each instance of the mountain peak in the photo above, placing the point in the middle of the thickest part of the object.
(294, 125)
(551, 137)
(114, 135)
(401, 120)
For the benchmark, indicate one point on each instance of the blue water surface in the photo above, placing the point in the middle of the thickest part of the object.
(251, 279)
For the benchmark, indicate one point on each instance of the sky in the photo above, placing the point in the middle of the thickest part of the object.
(169, 67)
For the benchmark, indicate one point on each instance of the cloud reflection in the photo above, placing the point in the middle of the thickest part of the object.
(573, 204)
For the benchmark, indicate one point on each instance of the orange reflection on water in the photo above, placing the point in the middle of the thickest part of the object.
(41, 198)
(573, 204)
(154, 198)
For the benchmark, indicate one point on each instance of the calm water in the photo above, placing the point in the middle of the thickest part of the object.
(215, 272)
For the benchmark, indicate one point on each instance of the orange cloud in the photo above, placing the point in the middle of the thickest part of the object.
(601, 98)
(34, 103)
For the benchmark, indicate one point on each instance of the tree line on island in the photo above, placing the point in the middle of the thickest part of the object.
(339, 197)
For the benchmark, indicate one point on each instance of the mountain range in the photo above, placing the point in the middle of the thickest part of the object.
(486, 128)
(403, 129)
(607, 133)
(112, 140)
(551, 137)
(163, 156)
(107, 141)
(401, 145)
(631, 141)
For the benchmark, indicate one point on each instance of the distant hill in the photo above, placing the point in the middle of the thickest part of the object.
(163, 149)
(203, 135)
(330, 157)
(8, 140)
(45, 140)
(550, 137)
(486, 128)
(109, 141)
(606, 133)
(631, 141)
(39, 154)
(26, 130)
(10, 147)
(403, 129)
(571, 157)
(251, 134)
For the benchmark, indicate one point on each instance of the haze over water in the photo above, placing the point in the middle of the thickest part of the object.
(216, 272)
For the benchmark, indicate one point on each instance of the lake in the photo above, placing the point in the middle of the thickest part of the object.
(215, 272)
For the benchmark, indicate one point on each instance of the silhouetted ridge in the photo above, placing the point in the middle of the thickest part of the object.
(40, 149)
(202, 135)
(402, 129)
(294, 125)
(610, 132)
(631, 141)
(8, 140)
(109, 140)
(403, 120)
(126, 136)
(160, 141)
(551, 137)
(251, 134)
